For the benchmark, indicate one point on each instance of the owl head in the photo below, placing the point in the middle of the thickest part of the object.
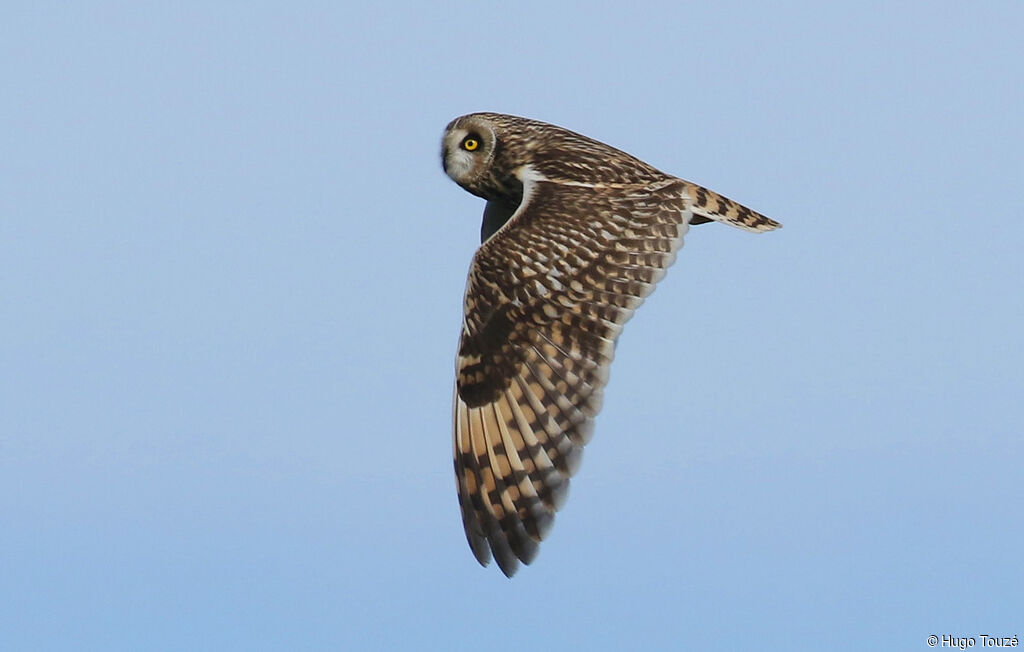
(468, 150)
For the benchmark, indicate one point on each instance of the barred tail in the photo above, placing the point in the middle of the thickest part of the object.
(708, 206)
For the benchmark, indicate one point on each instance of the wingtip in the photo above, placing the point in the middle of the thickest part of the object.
(480, 549)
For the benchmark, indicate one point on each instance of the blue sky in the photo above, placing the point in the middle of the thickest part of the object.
(231, 280)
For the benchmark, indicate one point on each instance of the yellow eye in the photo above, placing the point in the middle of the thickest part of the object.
(470, 144)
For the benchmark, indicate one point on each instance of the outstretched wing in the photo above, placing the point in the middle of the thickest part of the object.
(546, 299)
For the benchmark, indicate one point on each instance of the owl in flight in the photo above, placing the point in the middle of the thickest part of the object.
(575, 235)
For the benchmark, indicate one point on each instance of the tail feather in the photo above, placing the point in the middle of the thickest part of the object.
(708, 205)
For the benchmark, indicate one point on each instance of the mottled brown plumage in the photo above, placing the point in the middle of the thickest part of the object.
(576, 234)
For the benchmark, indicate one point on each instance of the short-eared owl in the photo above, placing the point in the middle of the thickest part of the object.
(575, 235)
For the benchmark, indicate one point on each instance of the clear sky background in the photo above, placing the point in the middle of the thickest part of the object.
(231, 275)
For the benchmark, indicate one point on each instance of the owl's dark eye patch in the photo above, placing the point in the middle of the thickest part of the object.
(471, 142)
